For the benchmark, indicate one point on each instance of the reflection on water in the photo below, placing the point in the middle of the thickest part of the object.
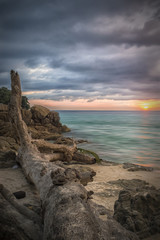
(118, 136)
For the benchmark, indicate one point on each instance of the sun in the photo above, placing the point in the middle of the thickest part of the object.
(149, 105)
(145, 106)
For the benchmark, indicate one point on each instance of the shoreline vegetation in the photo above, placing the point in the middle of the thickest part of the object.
(68, 194)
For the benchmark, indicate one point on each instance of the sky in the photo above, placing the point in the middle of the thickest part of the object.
(83, 54)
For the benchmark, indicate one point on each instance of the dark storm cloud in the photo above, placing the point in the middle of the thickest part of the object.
(95, 49)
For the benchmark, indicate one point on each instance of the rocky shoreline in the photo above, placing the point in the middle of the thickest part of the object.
(111, 187)
(117, 202)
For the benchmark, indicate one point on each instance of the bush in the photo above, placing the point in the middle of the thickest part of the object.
(5, 95)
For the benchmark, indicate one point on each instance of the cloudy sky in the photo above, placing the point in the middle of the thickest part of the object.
(83, 54)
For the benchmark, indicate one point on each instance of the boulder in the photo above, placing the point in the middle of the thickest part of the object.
(54, 118)
(8, 143)
(65, 140)
(65, 129)
(69, 141)
(138, 210)
(20, 194)
(40, 132)
(7, 159)
(85, 174)
(83, 159)
(8, 148)
(42, 123)
(3, 107)
(27, 116)
(133, 167)
(39, 113)
(7, 130)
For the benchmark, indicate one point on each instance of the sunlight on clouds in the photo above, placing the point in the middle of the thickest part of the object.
(33, 92)
(149, 105)
(84, 104)
(41, 69)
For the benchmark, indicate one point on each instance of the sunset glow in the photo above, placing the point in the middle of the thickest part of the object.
(151, 105)
(82, 104)
(97, 57)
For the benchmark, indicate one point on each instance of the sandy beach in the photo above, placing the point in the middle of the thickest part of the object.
(14, 180)
(105, 193)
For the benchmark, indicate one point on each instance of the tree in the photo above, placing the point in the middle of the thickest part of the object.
(25, 103)
(5, 95)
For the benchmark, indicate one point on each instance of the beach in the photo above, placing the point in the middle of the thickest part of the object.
(105, 192)
(73, 178)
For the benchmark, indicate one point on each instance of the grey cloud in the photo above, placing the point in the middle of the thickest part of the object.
(65, 37)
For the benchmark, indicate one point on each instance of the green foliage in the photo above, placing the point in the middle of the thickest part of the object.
(25, 103)
(90, 152)
(5, 95)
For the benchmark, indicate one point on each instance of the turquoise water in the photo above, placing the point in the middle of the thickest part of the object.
(117, 136)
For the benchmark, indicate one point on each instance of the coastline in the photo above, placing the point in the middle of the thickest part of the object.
(14, 180)
(105, 192)
(105, 188)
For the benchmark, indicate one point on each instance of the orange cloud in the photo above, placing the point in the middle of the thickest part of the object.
(82, 104)
(152, 105)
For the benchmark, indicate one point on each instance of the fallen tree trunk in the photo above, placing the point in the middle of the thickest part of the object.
(16, 221)
(67, 210)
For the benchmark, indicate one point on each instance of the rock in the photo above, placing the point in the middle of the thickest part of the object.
(27, 116)
(19, 194)
(83, 159)
(138, 210)
(7, 159)
(39, 113)
(65, 129)
(67, 211)
(133, 184)
(133, 167)
(3, 107)
(4, 116)
(54, 118)
(81, 141)
(42, 123)
(8, 148)
(8, 143)
(7, 130)
(65, 140)
(85, 174)
(40, 132)
(69, 141)
(108, 163)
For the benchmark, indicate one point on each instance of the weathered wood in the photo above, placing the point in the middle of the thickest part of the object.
(68, 212)
(16, 221)
(65, 153)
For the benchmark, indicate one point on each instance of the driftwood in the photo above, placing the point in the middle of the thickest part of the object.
(16, 221)
(59, 152)
(67, 210)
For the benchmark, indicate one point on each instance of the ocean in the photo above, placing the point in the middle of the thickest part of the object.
(118, 136)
